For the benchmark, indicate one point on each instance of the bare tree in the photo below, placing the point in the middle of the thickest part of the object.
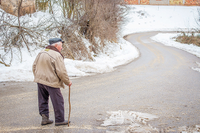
(16, 32)
(73, 20)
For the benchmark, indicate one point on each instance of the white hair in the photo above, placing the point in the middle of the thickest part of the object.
(56, 43)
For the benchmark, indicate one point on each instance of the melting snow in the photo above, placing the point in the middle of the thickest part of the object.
(129, 121)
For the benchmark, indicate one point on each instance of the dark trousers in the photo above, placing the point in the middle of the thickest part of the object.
(56, 98)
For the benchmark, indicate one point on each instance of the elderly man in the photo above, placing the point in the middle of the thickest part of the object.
(50, 75)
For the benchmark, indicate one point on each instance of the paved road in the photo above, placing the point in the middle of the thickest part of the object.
(160, 82)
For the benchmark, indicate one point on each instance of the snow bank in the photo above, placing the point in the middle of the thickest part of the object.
(113, 55)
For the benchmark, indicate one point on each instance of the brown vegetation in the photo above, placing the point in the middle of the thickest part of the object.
(93, 19)
(189, 39)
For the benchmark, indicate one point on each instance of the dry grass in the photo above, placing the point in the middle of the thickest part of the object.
(189, 39)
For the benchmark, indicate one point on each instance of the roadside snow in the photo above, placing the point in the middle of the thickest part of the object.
(140, 18)
(167, 39)
(113, 55)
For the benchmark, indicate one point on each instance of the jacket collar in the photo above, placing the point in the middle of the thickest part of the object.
(55, 49)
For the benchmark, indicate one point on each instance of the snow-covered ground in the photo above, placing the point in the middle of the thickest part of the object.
(143, 18)
(139, 19)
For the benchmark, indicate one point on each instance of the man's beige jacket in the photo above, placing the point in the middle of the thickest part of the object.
(49, 69)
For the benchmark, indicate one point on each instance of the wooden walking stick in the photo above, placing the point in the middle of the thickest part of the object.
(69, 106)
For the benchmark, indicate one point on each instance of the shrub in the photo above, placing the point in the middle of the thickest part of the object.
(189, 38)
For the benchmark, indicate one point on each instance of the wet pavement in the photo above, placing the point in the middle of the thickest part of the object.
(160, 82)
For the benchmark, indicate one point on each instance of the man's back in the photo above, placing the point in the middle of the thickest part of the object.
(49, 68)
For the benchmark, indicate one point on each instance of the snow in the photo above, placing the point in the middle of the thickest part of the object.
(129, 121)
(140, 18)
(143, 18)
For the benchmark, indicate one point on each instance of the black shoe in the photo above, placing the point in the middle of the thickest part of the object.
(61, 123)
(45, 120)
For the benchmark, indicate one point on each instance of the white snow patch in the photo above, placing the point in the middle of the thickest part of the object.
(197, 68)
(129, 121)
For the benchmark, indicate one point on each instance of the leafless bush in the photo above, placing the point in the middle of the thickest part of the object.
(188, 38)
(66, 25)
(75, 47)
(16, 32)
(101, 19)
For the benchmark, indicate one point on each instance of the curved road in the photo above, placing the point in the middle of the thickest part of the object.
(160, 82)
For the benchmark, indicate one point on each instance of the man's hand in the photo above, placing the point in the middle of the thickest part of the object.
(70, 83)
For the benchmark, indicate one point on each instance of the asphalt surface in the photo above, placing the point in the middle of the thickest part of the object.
(160, 82)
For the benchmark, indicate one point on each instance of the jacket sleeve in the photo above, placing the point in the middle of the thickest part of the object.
(61, 70)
